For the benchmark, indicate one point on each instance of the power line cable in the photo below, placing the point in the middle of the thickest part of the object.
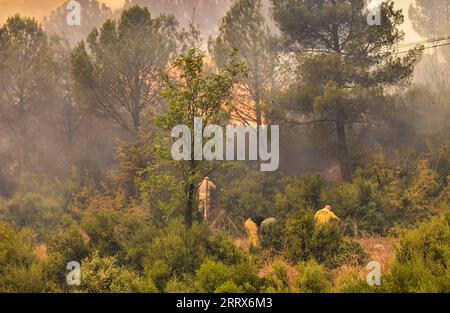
(431, 40)
(426, 48)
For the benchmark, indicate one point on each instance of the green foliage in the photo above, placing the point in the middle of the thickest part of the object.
(278, 279)
(300, 194)
(105, 275)
(244, 30)
(182, 250)
(124, 56)
(25, 80)
(212, 275)
(335, 91)
(192, 93)
(385, 195)
(300, 239)
(159, 273)
(313, 278)
(133, 224)
(228, 287)
(247, 192)
(422, 261)
(273, 237)
(115, 227)
(215, 276)
(183, 285)
(32, 210)
(20, 268)
(351, 282)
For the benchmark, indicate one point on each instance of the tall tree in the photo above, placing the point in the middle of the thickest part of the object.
(193, 93)
(25, 76)
(67, 114)
(345, 63)
(119, 76)
(245, 30)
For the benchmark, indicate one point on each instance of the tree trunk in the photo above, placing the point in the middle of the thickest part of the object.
(342, 150)
(136, 115)
(189, 206)
(355, 229)
(23, 148)
(190, 190)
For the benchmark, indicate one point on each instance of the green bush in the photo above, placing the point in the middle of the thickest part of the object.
(351, 282)
(215, 276)
(313, 278)
(182, 250)
(70, 244)
(303, 193)
(228, 287)
(247, 192)
(115, 229)
(31, 210)
(106, 275)
(422, 263)
(211, 275)
(272, 238)
(159, 273)
(20, 268)
(278, 279)
(186, 284)
(299, 239)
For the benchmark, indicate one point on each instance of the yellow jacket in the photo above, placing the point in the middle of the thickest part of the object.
(324, 216)
(253, 232)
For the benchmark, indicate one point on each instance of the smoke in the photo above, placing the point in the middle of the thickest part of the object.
(39, 8)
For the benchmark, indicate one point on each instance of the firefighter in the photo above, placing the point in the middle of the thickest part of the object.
(326, 215)
(255, 228)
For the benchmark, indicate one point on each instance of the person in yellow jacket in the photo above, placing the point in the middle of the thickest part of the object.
(326, 215)
(253, 228)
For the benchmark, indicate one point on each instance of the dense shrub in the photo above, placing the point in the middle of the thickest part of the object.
(422, 262)
(385, 195)
(312, 278)
(278, 279)
(115, 227)
(20, 268)
(246, 192)
(213, 275)
(300, 194)
(45, 215)
(351, 282)
(299, 239)
(105, 275)
(178, 252)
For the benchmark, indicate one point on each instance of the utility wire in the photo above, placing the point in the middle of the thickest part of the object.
(426, 48)
(434, 40)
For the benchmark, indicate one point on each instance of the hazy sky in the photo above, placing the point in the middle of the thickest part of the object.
(41, 8)
(411, 35)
